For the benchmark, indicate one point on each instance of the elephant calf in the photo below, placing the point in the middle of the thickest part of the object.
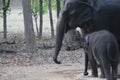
(102, 48)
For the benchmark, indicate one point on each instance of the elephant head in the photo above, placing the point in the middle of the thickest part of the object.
(74, 14)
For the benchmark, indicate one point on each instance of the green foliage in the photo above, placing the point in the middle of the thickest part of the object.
(45, 6)
(1, 6)
(35, 5)
(4, 5)
(0, 13)
(54, 4)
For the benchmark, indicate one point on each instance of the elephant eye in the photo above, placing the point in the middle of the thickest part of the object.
(71, 8)
(72, 11)
(69, 5)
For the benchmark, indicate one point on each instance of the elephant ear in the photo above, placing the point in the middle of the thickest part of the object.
(79, 13)
(86, 13)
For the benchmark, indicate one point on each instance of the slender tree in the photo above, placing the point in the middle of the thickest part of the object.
(1, 5)
(1, 8)
(29, 31)
(35, 11)
(41, 18)
(6, 4)
(51, 18)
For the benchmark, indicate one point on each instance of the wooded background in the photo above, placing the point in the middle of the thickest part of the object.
(33, 11)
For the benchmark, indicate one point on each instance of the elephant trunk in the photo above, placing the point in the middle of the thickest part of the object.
(86, 65)
(59, 38)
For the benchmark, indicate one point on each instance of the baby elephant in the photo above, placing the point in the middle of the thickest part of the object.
(102, 48)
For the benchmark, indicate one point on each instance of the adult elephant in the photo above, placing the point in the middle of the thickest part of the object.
(101, 14)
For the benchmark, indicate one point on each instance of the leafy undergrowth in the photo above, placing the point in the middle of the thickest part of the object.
(44, 53)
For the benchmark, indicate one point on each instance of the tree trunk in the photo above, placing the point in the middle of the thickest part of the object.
(29, 31)
(35, 15)
(5, 8)
(41, 18)
(36, 23)
(5, 24)
(51, 18)
(58, 7)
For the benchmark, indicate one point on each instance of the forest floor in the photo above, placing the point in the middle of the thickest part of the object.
(39, 66)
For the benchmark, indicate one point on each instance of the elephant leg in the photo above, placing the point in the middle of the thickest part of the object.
(114, 71)
(93, 62)
(102, 71)
(94, 68)
(107, 70)
(86, 65)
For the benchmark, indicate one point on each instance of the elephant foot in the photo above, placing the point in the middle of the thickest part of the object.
(94, 75)
(102, 76)
(56, 61)
(86, 73)
(110, 78)
(114, 78)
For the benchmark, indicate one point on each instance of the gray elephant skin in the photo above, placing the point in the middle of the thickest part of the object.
(103, 49)
(100, 14)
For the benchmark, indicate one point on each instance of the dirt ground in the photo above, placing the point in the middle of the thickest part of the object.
(39, 66)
